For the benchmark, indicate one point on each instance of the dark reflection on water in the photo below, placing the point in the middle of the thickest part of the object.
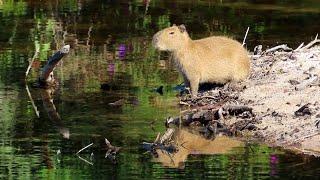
(111, 59)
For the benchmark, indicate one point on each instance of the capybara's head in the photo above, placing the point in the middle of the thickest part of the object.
(171, 38)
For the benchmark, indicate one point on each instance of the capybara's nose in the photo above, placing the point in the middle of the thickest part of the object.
(155, 39)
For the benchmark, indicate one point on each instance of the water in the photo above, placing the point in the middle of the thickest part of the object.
(110, 48)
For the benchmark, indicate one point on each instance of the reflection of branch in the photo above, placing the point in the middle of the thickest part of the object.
(32, 102)
(85, 160)
(52, 112)
(49, 106)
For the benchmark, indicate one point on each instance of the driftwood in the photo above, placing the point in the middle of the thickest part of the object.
(36, 54)
(301, 48)
(283, 47)
(111, 151)
(46, 76)
(83, 159)
(245, 37)
(84, 148)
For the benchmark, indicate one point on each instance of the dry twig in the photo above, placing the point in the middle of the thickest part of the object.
(283, 46)
(36, 53)
(84, 148)
(316, 40)
(245, 37)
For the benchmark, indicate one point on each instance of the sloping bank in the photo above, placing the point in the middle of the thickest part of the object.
(278, 104)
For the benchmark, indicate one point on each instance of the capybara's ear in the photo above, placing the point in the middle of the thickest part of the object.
(182, 28)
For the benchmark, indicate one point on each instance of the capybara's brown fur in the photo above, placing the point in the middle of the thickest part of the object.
(213, 59)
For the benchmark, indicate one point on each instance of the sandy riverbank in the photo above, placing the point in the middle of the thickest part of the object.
(278, 104)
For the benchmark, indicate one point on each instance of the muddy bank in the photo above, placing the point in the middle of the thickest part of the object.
(279, 103)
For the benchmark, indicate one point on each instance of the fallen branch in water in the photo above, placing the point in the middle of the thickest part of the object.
(46, 75)
(31, 61)
(111, 151)
(84, 148)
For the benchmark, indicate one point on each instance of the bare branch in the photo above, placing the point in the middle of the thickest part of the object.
(84, 148)
(316, 40)
(283, 46)
(36, 53)
(245, 37)
(298, 48)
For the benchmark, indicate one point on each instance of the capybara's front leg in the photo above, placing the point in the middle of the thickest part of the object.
(194, 84)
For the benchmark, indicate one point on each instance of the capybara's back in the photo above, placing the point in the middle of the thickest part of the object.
(222, 60)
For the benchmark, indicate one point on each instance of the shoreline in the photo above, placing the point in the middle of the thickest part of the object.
(278, 103)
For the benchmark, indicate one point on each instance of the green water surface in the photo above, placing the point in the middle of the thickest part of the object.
(111, 47)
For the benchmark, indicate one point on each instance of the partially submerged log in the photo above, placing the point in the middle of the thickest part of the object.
(111, 151)
(47, 81)
(46, 76)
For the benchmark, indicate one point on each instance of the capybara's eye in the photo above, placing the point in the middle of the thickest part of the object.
(171, 32)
